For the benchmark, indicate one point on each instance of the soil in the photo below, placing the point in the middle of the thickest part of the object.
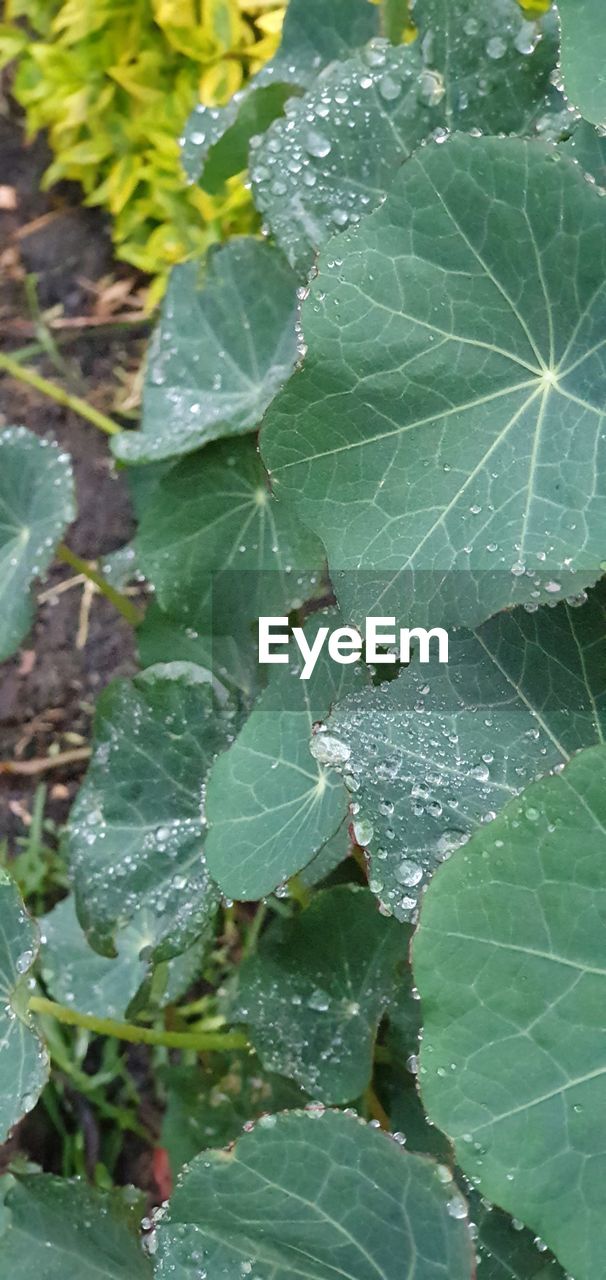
(77, 644)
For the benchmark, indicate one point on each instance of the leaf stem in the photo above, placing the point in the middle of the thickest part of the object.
(119, 601)
(201, 1041)
(59, 394)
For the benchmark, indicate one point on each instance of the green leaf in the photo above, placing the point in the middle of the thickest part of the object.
(446, 436)
(76, 975)
(161, 638)
(223, 348)
(315, 1193)
(315, 992)
(583, 56)
(59, 1227)
(337, 152)
(220, 551)
(24, 1064)
(331, 855)
(270, 806)
(208, 1106)
(36, 505)
(137, 830)
(510, 960)
(215, 146)
(440, 750)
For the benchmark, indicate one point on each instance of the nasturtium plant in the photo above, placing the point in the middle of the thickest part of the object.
(271, 807)
(314, 994)
(51, 1224)
(224, 347)
(317, 1190)
(336, 863)
(36, 505)
(24, 1063)
(510, 964)
(137, 831)
(582, 57)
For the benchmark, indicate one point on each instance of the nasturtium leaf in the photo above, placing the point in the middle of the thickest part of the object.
(36, 505)
(436, 752)
(446, 436)
(24, 1064)
(510, 960)
(74, 974)
(270, 806)
(215, 145)
(137, 829)
(583, 56)
(162, 638)
(224, 346)
(315, 1193)
(208, 1105)
(336, 154)
(330, 856)
(59, 1227)
(314, 994)
(220, 550)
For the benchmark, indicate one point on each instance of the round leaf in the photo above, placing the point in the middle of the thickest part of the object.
(216, 139)
(431, 755)
(59, 1227)
(446, 435)
(220, 551)
(315, 992)
(24, 1064)
(222, 350)
(270, 806)
(510, 960)
(136, 833)
(583, 56)
(337, 152)
(36, 505)
(319, 1193)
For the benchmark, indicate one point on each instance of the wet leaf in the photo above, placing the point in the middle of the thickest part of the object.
(216, 140)
(137, 829)
(24, 1065)
(583, 56)
(315, 1191)
(54, 1225)
(314, 994)
(445, 438)
(336, 153)
(162, 638)
(270, 806)
(224, 346)
(220, 551)
(36, 505)
(433, 754)
(510, 960)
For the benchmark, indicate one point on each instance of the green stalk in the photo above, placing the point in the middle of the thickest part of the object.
(201, 1041)
(54, 392)
(120, 602)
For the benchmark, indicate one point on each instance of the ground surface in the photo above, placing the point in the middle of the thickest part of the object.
(48, 689)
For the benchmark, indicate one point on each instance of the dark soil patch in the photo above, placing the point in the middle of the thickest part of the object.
(47, 691)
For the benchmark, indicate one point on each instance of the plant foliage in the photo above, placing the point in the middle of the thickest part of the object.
(391, 405)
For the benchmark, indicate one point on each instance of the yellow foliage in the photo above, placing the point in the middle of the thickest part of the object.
(113, 82)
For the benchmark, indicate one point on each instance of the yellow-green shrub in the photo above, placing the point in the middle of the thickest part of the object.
(113, 81)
